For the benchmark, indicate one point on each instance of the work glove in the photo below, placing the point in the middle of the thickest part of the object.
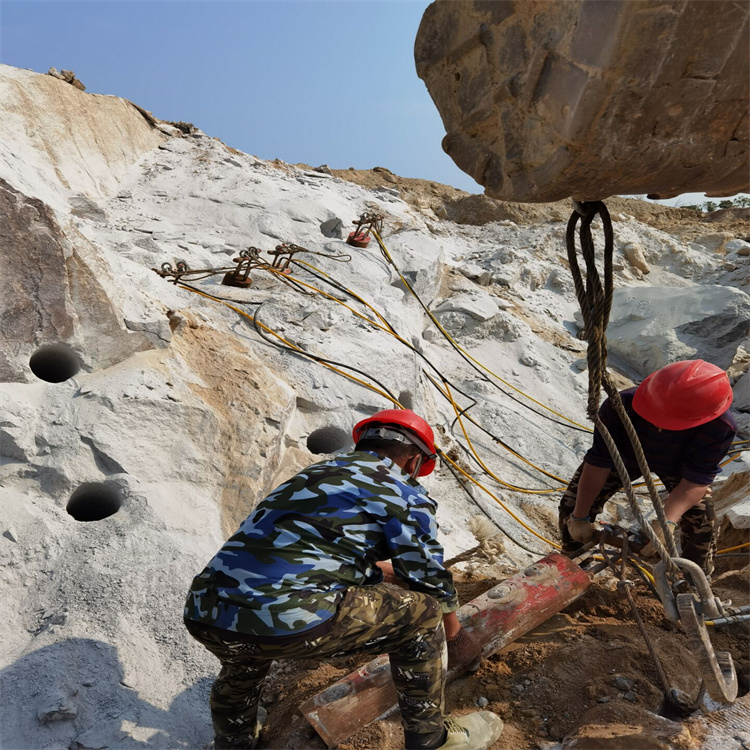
(580, 529)
(464, 651)
(649, 551)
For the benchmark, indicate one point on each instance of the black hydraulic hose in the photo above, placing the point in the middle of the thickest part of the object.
(473, 499)
(315, 357)
(472, 365)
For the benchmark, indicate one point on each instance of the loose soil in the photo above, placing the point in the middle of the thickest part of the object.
(588, 661)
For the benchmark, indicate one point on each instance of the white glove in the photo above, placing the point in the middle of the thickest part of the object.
(580, 529)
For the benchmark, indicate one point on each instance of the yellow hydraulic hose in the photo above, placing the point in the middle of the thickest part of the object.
(498, 501)
(445, 333)
(273, 333)
(732, 549)
(387, 329)
(481, 463)
(505, 447)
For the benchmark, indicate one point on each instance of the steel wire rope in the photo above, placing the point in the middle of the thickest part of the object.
(476, 364)
(674, 697)
(595, 301)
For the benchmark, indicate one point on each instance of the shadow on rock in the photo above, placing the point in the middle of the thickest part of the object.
(72, 694)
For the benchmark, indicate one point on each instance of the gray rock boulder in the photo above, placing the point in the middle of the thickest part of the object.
(653, 326)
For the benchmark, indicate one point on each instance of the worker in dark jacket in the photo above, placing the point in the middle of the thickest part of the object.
(681, 416)
(300, 580)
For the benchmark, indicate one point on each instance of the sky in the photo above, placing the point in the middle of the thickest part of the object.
(309, 81)
(312, 81)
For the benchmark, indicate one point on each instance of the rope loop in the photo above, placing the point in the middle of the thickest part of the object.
(595, 292)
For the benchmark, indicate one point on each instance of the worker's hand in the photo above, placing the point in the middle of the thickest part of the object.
(389, 576)
(581, 529)
(464, 651)
(649, 551)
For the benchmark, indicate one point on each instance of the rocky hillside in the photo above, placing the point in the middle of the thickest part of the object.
(140, 422)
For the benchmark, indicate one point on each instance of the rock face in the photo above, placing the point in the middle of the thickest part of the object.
(140, 423)
(651, 327)
(591, 98)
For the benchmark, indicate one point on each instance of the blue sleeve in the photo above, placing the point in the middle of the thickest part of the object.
(416, 555)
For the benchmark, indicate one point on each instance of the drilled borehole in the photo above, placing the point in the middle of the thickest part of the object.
(94, 501)
(328, 440)
(406, 399)
(54, 363)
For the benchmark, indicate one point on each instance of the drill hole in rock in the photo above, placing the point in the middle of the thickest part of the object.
(328, 440)
(406, 399)
(54, 363)
(94, 501)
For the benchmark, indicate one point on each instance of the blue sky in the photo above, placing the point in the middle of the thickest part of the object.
(314, 81)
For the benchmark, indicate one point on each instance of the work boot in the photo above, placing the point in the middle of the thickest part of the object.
(243, 741)
(477, 731)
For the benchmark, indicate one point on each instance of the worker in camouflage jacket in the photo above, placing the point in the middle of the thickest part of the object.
(306, 577)
(681, 416)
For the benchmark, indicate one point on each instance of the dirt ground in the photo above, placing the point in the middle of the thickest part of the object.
(464, 208)
(588, 664)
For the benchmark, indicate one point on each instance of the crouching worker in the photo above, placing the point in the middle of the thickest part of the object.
(681, 416)
(300, 580)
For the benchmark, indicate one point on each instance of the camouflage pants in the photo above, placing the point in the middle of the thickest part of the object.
(406, 625)
(697, 525)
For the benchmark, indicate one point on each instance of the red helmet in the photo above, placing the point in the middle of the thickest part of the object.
(683, 395)
(408, 424)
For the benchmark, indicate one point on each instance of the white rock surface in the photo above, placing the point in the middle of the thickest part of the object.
(653, 326)
(180, 417)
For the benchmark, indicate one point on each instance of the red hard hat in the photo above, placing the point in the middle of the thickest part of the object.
(410, 425)
(683, 395)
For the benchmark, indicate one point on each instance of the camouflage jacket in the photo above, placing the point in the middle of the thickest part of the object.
(322, 531)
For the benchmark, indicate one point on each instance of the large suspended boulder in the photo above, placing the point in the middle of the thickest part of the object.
(591, 98)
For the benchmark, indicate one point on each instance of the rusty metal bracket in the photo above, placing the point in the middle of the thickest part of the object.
(368, 222)
(283, 253)
(240, 275)
(177, 271)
